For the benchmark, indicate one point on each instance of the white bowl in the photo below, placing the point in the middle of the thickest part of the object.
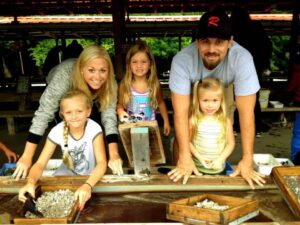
(51, 167)
(263, 163)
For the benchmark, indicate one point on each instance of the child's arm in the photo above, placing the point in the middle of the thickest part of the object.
(120, 109)
(194, 151)
(83, 194)
(229, 147)
(201, 158)
(11, 156)
(163, 111)
(37, 170)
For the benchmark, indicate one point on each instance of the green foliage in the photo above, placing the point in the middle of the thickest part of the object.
(40, 51)
(108, 44)
(164, 49)
(280, 55)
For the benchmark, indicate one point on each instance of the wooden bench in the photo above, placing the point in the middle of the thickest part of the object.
(11, 114)
(23, 110)
(282, 111)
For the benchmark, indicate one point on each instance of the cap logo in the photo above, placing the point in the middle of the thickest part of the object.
(213, 21)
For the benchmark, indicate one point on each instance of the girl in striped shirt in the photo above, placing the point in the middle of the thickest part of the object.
(212, 138)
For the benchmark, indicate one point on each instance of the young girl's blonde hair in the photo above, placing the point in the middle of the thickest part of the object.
(196, 115)
(67, 159)
(152, 79)
(107, 94)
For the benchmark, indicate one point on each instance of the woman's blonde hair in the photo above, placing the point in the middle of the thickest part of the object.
(196, 115)
(107, 94)
(67, 159)
(152, 79)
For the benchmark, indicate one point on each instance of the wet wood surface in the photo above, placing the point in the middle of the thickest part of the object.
(278, 174)
(134, 184)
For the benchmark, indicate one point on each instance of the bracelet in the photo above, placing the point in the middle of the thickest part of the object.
(89, 185)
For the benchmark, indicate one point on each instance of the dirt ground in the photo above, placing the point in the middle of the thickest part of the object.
(276, 139)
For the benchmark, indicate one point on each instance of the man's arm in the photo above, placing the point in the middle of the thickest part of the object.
(185, 165)
(245, 106)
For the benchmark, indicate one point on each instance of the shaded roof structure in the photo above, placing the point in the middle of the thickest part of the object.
(142, 17)
(117, 18)
(55, 7)
(53, 27)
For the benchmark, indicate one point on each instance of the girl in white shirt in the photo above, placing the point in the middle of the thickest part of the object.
(82, 143)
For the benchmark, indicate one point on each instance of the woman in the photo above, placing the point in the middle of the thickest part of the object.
(92, 73)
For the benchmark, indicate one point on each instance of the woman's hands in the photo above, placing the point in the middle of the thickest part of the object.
(115, 162)
(116, 166)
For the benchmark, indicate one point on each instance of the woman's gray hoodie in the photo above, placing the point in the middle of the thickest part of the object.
(59, 82)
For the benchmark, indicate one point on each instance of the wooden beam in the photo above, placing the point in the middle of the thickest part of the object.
(134, 184)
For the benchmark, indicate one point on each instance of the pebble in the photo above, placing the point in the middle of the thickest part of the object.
(56, 204)
(207, 204)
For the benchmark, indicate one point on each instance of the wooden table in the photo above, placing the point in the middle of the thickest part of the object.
(144, 200)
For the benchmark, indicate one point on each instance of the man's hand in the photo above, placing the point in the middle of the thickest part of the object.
(22, 169)
(246, 171)
(183, 170)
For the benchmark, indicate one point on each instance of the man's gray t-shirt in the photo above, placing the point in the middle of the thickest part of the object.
(237, 67)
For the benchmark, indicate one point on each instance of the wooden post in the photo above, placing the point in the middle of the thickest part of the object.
(118, 7)
(140, 150)
(10, 125)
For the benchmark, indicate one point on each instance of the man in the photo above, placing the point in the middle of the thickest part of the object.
(214, 54)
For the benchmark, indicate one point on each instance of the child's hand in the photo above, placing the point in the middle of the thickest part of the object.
(204, 162)
(217, 164)
(167, 129)
(30, 188)
(11, 156)
(22, 169)
(83, 194)
(123, 117)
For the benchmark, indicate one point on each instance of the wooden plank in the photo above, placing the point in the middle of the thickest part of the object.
(15, 97)
(16, 113)
(134, 184)
(9, 97)
(278, 174)
(284, 109)
(157, 155)
(140, 150)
